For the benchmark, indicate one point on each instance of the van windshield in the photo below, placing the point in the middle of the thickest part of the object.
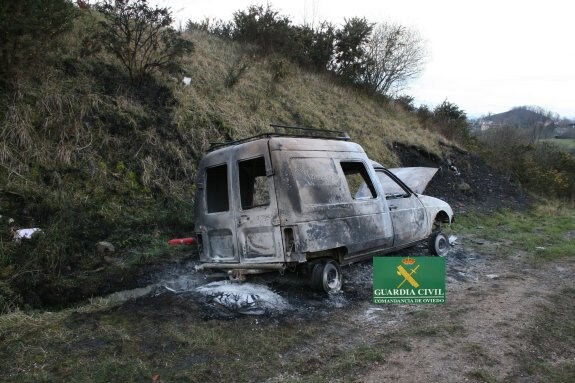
(391, 188)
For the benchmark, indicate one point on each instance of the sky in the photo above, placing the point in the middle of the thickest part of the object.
(485, 56)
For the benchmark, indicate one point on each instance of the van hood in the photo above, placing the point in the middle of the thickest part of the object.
(416, 178)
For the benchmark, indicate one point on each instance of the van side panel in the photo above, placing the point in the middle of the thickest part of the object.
(315, 199)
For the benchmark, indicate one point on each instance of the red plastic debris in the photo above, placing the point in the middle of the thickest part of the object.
(182, 241)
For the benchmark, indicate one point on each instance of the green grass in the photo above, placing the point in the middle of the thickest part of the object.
(545, 232)
(564, 143)
(104, 342)
(112, 344)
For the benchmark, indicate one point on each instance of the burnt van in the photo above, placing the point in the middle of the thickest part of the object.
(316, 202)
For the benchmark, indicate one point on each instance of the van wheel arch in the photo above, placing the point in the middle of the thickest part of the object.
(440, 218)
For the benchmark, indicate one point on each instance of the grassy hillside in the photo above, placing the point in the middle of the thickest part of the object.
(89, 156)
(272, 90)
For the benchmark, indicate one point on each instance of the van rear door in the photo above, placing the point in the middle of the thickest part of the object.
(257, 220)
(215, 216)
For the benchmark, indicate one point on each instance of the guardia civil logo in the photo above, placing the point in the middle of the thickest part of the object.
(408, 280)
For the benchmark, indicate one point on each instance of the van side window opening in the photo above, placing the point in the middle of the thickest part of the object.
(391, 188)
(358, 180)
(253, 183)
(217, 189)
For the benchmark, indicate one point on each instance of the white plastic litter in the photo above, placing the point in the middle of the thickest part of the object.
(25, 233)
(244, 298)
(452, 240)
(187, 80)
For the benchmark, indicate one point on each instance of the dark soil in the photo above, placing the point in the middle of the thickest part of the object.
(465, 181)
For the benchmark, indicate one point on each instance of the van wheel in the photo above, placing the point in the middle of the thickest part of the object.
(326, 276)
(438, 244)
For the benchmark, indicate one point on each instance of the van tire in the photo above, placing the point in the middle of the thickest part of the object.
(326, 276)
(438, 244)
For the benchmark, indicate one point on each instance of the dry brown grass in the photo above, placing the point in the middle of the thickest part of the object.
(47, 121)
(301, 98)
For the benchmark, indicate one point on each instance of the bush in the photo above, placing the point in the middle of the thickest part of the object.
(406, 102)
(264, 27)
(29, 31)
(272, 33)
(235, 72)
(312, 48)
(350, 48)
(546, 170)
(540, 167)
(140, 36)
(452, 122)
(216, 27)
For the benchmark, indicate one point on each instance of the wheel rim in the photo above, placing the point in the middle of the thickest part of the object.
(331, 277)
(441, 245)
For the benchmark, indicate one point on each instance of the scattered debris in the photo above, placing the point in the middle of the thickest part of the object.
(540, 248)
(182, 241)
(492, 276)
(187, 80)
(453, 240)
(455, 171)
(21, 234)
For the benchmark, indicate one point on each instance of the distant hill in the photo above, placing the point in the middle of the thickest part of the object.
(546, 123)
(520, 116)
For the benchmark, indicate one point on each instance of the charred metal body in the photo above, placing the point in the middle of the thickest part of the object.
(275, 202)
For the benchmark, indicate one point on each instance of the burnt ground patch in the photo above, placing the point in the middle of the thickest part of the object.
(176, 295)
(466, 181)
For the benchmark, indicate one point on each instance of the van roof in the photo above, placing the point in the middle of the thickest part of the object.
(298, 132)
(291, 143)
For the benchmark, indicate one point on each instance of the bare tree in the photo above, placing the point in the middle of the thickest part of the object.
(394, 55)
